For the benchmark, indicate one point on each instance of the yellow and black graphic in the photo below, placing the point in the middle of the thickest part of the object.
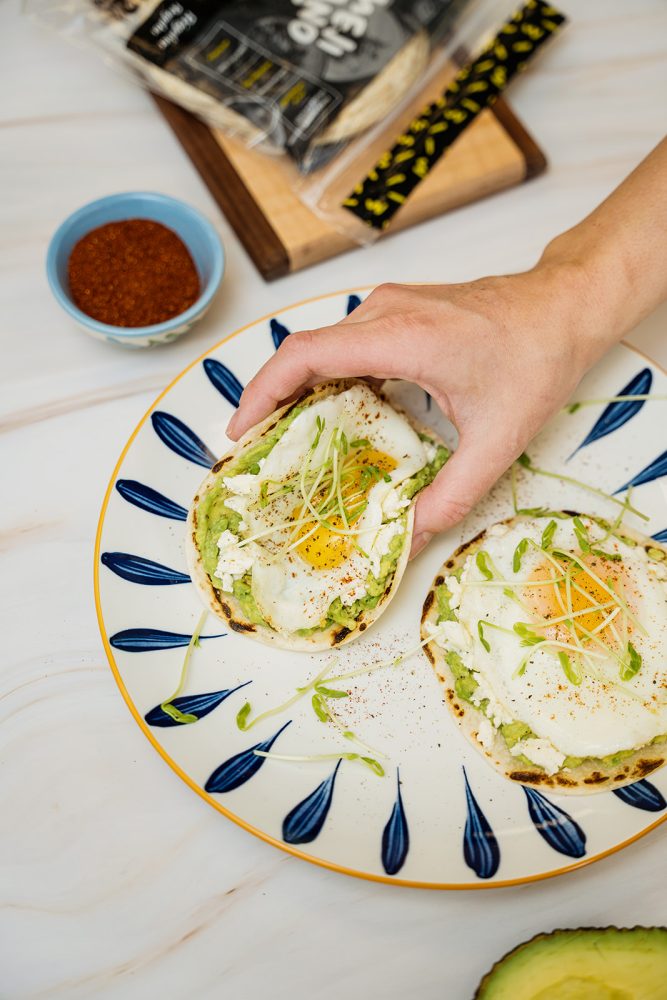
(398, 171)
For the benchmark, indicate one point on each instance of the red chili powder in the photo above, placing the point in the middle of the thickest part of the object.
(132, 273)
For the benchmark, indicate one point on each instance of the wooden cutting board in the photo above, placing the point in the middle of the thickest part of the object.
(281, 234)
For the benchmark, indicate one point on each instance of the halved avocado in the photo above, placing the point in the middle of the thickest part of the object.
(593, 963)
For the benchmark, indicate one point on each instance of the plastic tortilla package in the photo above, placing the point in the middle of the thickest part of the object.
(303, 77)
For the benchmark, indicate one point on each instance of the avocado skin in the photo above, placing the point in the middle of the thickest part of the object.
(527, 960)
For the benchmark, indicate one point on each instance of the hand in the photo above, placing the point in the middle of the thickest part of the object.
(500, 355)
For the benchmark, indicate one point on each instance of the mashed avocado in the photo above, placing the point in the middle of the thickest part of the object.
(214, 517)
(244, 595)
(426, 475)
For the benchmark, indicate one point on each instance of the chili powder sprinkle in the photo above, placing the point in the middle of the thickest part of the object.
(132, 273)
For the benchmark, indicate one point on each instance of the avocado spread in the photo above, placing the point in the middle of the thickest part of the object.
(214, 517)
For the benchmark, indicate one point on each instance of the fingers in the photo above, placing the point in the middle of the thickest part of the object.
(468, 475)
(344, 350)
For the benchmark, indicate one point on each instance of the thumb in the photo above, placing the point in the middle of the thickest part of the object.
(471, 471)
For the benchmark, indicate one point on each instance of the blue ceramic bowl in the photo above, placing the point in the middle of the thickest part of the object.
(196, 232)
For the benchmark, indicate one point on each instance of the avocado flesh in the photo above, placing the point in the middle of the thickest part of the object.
(590, 964)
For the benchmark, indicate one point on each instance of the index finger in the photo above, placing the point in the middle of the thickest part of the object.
(344, 350)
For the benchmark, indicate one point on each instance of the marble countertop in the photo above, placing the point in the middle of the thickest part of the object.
(115, 880)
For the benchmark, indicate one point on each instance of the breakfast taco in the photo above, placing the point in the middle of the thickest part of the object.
(300, 534)
(549, 638)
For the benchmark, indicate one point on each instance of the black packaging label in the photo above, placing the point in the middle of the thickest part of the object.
(288, 66)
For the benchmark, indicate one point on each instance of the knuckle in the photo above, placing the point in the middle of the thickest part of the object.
(297, 343)
(387, 291)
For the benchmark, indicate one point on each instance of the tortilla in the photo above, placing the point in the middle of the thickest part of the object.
(378, 98)
(226, 606)
(592, 775)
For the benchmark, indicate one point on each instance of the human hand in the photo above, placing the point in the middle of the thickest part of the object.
(499, 355)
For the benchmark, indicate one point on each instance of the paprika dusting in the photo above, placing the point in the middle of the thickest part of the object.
(135, 272)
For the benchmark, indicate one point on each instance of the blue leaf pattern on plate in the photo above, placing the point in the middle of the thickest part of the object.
(303, 824)
(224, 380)
(555, 825)
(178, 436)
(642, 795)
(148, 499)
(278, 333)
(655, 470)
(395, 836)
(241, 767)
(148, 640)
(660, 536)
(136, 569)
(616, 414)
(191, 704)
(480, 847)
(352, 302)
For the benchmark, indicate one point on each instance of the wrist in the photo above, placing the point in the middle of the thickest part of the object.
(596, 292)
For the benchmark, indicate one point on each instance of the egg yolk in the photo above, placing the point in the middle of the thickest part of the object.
(323, 548)
(586, 591)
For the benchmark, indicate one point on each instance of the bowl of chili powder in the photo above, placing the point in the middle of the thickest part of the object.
(137, 269)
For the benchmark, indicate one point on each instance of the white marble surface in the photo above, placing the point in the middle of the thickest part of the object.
(115, 880)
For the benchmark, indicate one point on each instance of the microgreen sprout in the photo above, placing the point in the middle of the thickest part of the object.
(527, 635)
(548, 534)
(167, 706)
(526, 463)
(519, 553)
(483, 561)
(571, 668)
(480, 632)
(243, 713)
(632, 664)
(581, 531)
(577, 404)
(374, 765)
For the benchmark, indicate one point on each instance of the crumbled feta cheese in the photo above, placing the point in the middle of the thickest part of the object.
(431, 451)
(352, 592)
(486, 733)
(498, 530)
(495, 710)
(454, 588)
(382, 542)
(451, 635)
(394, 504)
(234, 561)
(244, 484)
(456, 636)
(237, 503)
(540, 752)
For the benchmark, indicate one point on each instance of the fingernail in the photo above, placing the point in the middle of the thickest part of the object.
(230, 427)
(419, 542)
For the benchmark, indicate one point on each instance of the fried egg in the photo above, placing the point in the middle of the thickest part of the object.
(590, 606)
(300, 565)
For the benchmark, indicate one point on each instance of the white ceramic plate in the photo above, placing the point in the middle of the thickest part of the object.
(456, 823)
